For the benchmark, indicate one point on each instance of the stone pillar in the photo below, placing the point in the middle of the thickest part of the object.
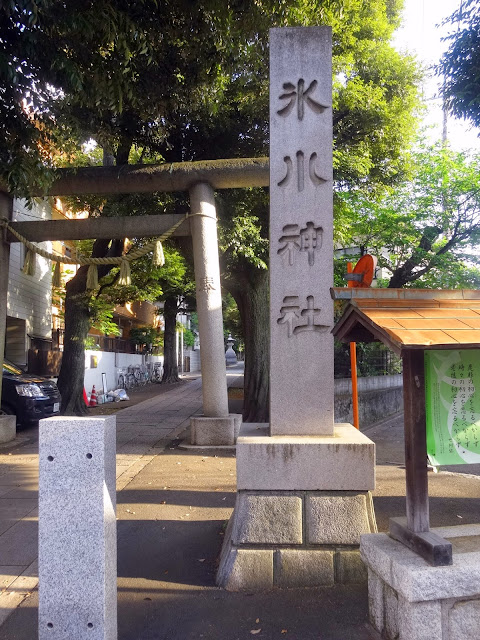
(215, 427)
(301, 232)
(303, 483)
(77, 529)
(7, 423)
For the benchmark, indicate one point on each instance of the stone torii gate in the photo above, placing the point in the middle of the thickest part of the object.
(200, 179)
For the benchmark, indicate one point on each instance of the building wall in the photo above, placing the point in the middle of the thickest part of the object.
(110, 364)
(29, 298)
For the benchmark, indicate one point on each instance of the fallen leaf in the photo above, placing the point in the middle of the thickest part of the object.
(255, 631)
(257, 620)
(163, 502)
(284, 631)
(147, 599)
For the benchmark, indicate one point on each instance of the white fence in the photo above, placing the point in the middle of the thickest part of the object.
(98, 363)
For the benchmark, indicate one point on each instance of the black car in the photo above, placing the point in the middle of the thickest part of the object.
(28, 397)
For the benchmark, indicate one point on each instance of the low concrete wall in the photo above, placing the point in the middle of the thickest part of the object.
(109, 363)
(378, 396)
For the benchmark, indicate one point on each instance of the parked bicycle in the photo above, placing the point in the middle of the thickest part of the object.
(121, 378)
(157, 373)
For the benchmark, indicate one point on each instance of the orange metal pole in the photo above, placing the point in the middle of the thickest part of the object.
(353, 367)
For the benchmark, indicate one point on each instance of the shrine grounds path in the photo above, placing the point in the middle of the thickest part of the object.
(172, 508)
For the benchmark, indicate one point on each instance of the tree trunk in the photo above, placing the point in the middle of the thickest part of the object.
(252, 297)
(405, 273)
(170, 368)
(77, 325)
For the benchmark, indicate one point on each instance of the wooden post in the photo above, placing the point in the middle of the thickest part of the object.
(414, 530)
(353, 368)
(418, 518)
(6, 209)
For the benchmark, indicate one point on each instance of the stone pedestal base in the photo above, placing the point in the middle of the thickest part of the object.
(411, 600)
(215, 431)
(297, 521)
(8, 428)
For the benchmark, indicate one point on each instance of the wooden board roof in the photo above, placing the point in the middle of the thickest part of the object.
(410, 318)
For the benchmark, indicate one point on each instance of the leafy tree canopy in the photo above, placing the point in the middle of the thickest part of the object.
(168, 74)
(460, 65)
(424, 231)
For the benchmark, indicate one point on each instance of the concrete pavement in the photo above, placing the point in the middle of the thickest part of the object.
(172, 509)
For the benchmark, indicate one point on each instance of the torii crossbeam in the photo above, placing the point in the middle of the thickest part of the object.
(199, 179)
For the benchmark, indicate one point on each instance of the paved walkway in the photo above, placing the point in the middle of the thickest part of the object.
(143, 430)
(172, 507)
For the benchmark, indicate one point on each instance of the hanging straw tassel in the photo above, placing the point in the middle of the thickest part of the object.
(92, 277)
(29, 263)
(57, 276)
(158, 258)
(124, 280)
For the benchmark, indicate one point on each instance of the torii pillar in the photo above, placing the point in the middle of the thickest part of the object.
(303, 482)
(216, 426)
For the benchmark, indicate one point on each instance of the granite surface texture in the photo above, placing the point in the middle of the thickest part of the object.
(77, 529)
(301, 232)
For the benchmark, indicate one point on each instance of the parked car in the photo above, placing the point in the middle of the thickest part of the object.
(27, 396)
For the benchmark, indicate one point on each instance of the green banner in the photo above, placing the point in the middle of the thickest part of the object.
(452, 396)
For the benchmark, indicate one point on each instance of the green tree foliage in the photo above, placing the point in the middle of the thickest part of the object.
(56, 56)
(185, 81)
(374, 100)
(178, 289)
(460, 65)
(232, 322)
(158, 72)
(424, 231)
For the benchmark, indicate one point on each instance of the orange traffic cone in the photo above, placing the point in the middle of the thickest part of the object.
(93, 397)
(85, 399)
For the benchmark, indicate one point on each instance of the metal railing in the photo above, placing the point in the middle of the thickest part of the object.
(372, 360)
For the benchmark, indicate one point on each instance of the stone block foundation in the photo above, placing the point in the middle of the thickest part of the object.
(273, 540)
(411, 600)
(309, 535)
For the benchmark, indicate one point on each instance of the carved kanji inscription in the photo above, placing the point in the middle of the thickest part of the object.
(297, 94)
(295, 239)
(300, 320)
(312, 172)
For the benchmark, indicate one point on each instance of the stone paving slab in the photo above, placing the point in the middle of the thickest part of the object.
(142, 431)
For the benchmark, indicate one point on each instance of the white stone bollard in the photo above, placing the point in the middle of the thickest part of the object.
(77, 529)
